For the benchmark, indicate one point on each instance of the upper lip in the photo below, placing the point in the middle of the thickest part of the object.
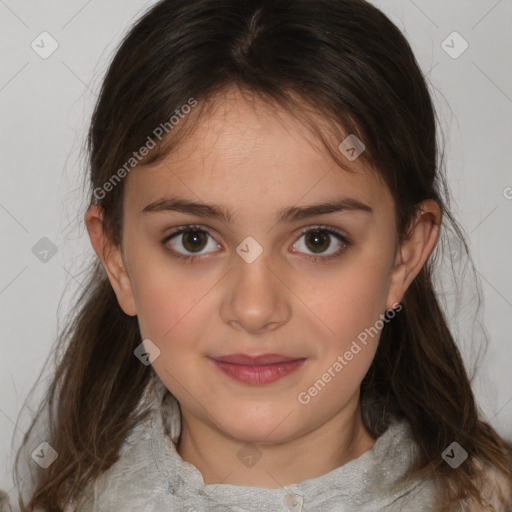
(244, 359)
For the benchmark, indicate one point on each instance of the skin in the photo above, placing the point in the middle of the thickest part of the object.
(254, 162)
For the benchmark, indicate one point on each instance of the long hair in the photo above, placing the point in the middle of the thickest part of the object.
(344, 62)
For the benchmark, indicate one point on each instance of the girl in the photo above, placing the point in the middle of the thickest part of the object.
(260, 331)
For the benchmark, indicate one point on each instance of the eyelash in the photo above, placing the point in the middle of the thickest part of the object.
(310, 257)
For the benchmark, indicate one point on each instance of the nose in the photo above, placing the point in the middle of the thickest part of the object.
(256, 299)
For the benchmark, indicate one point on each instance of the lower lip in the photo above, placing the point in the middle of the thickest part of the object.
(261, 374)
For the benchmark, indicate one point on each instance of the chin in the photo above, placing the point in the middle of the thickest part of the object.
(258, 427)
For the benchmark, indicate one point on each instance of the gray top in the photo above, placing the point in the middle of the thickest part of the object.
(150, 476)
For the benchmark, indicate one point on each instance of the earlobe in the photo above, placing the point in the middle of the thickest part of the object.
(413, 253)
(111, 258)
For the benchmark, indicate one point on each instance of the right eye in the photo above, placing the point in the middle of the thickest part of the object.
(193, 239)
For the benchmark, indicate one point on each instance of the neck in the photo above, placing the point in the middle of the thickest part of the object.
(221, 459)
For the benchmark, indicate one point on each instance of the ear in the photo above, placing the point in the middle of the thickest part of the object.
(415, 250)
(111, 258)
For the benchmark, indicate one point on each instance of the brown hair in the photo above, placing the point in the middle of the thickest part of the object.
(341, 59)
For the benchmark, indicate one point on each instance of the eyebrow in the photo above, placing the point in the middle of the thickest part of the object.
(290, 214)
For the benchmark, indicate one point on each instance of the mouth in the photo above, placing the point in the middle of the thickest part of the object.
(257, 370)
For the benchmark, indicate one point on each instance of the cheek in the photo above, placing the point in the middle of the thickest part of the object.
(350, 300)
(169, 314)
(164, 298)
(163, 292)
(164, 315)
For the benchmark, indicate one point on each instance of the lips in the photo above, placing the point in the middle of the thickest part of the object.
(257, 370)
(255, 360)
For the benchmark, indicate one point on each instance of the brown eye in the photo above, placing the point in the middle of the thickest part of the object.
(191, 241)
(194, 241)
(318, 241)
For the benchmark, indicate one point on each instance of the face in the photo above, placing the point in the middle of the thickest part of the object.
(304, 286)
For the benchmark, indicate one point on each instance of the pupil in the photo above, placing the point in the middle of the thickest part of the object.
(320, 241)
(194, 240)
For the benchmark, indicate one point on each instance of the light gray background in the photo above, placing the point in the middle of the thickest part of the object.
(46, 103)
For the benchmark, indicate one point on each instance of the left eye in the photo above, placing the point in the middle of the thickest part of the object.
(318, 240)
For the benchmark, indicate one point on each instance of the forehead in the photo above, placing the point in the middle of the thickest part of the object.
(248, 152)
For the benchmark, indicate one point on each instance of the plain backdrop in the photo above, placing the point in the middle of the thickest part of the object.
(46, 103)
